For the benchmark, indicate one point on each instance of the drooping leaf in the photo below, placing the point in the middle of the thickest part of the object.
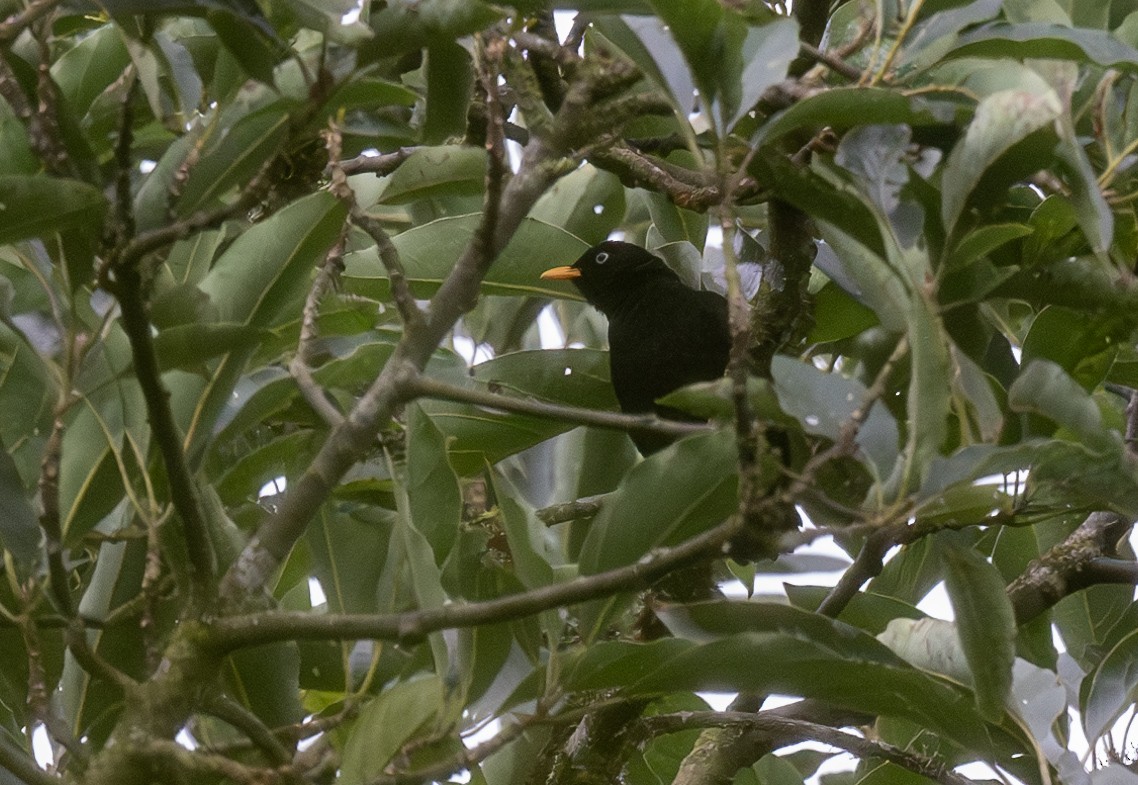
(985, 622)
(1002, 120)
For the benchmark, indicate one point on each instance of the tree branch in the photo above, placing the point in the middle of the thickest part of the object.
(1080, 560)
(543, 161)
(18, 22)
(23, 765)
(236, 632)
(784, 731)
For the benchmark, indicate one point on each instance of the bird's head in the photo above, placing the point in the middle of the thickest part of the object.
(607, 273)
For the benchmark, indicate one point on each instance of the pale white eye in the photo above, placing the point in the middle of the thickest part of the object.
(601, 258)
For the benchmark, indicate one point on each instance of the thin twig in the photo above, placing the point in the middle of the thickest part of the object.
(230, 711)
(835, 64)
(419, 386)
(846, 443)
(378, 165)
(409, 310)
(183, 490)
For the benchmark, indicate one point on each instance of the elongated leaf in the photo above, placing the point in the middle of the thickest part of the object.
(824, 402)
(1083, 344)
(428, 253)
(88, 68)
(446, 170)
(19, 525)
(259, 281)
(767, 52)
(1002, 120)
(188, 345)
(985, 622)
(1034, 39)
(386, 724)
(589, 203)
(1045, 388)
(241, 150)
(790, 664)
(700, 475)
(435, 497)
(478, 434)
(37, 206)
(1114, 686)
(845, 107)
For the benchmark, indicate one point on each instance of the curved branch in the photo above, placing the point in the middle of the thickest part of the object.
(784, 731)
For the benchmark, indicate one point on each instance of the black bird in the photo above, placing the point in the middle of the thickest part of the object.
(662, 334)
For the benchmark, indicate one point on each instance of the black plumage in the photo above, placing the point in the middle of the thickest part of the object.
(662, 334)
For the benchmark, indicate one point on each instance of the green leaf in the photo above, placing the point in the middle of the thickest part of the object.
(38, 206)
(386, 724)
(767, 52)
(16, 156)
(188, 345)
(250, 40)
(842, 108)
(700, 474)
(88, 68)
(824, 402)
(400, 28)
(98, 445)
(259, 281)
(436, 171)
(233, 157)
(478, 435)
(1083, 344)
(19, 524)
(860, 674)
(286, 456)
(587, 203)
(1002, 120)
(527, 536)
(264, 679)
(327, 16)
(28, 394)
(91, 705)
(838, 316)
(429, 252)
(433, 490)
(1038, 40)
(985, 622)
(646, 42)
(865, 276)
(450, 84)
(1113, 687)
(345, 547)
(261, 278)
(1045, 388)
(981, 242)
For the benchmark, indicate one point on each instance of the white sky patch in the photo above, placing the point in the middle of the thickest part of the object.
(316, 593)
(937, 604)
(353, 14)
(273, 487)
(472, 352)
(41, 747)
(549, 329)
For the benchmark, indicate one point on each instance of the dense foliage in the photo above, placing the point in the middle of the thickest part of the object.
(296, 490)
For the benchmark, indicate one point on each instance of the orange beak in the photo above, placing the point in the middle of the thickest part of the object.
(561, 273)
